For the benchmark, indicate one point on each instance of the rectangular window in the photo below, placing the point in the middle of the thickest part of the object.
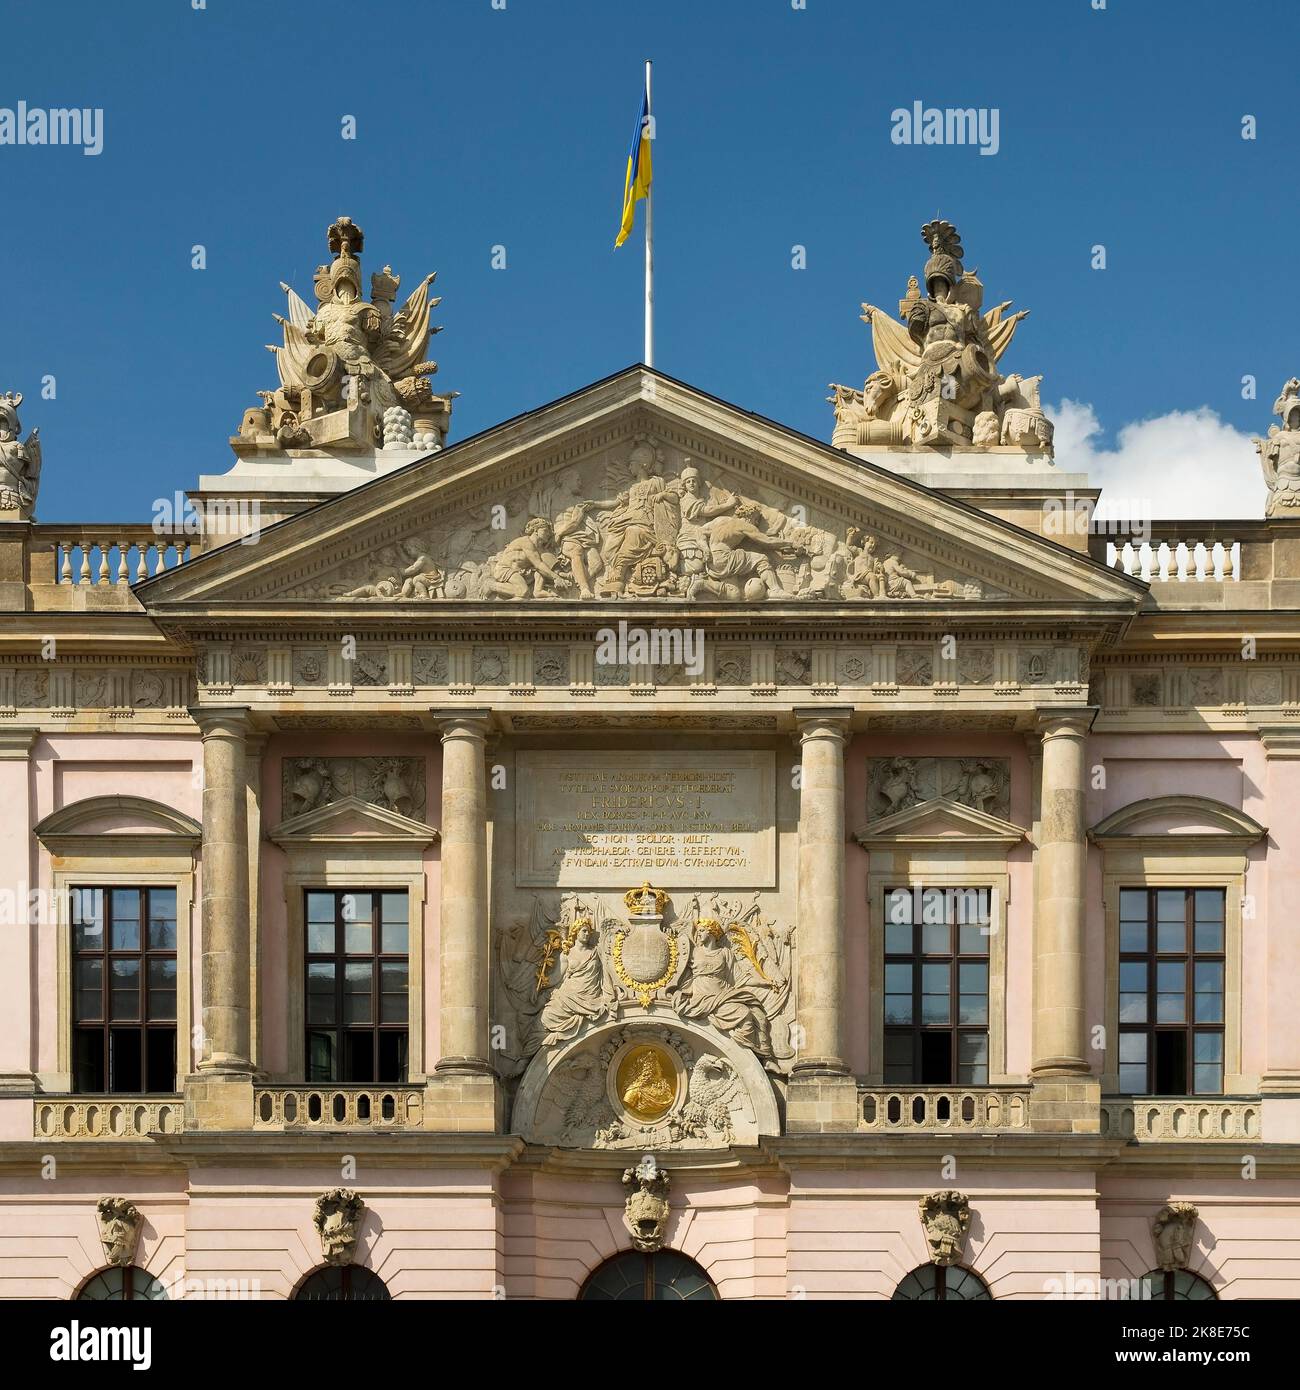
(123, 990)
(1171, 991)
(937, 986)
(356, 987)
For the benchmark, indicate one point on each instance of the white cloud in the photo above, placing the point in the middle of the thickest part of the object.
(1187, 465)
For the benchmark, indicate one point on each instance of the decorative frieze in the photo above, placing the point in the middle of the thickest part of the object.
(67, 689)
(1234, 686)
(429, 666)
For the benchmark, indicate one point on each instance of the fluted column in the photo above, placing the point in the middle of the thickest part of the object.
(463, 916)
(822, 735)
(1059, 1036)
(226, 1003)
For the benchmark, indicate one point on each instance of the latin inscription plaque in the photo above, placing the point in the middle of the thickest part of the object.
(611, 820)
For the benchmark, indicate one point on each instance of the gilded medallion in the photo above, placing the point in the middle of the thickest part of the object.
(646, 1082)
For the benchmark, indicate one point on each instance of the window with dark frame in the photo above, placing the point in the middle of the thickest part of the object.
(937, 986)
(123, 990)
(357, 973)
(343, 1284)
(1171, 991)
(942, 1284)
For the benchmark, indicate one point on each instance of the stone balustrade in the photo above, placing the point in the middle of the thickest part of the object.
(82, 1117)
(1175, 558)
(1178, 1120)
(94, 556)
(337, 1107)
(929, 1108)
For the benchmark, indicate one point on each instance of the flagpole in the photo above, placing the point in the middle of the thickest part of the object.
(649, 245)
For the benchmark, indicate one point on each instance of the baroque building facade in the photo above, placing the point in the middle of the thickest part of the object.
(643, 851)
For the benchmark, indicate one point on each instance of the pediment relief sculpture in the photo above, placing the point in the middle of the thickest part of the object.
(352, 374)
(937, 380)
(573, 964)
(642, 527)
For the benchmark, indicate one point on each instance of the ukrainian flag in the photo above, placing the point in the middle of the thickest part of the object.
(636, 184)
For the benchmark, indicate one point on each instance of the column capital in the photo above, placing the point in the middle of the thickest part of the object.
(463, 723)
(229, 721)
(1065, 723)
(17, 742)
(816, 721)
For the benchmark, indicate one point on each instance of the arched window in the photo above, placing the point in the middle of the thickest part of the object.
(942, 1284)
(120, 1285)
(1176, 1286)
(635, 1278)
(343, 1284)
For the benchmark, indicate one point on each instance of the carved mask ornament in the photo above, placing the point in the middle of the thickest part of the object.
(119, 1229)
(945, 1217)
(1173, 1231)
(645, 1211)
(337, 1218)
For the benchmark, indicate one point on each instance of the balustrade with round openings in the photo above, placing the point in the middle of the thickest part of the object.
(107, 1120)
(940, 1108)
(338, 1107)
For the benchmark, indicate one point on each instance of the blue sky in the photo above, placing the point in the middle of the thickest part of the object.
(479, 127)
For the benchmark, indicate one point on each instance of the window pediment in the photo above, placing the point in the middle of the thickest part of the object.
(939, 821)
(352, 821)
(1168, 821)
(134, 819)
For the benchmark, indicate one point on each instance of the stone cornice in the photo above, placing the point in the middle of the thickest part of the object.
(17, 741)
(1281, 741)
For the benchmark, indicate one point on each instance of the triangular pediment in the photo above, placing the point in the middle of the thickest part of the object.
(639, 490)
(351, 821)
(939, 821)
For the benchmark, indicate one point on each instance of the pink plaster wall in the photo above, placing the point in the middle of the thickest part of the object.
(459, 1232)
(857, 887)
(856, 1234)
(1247, 1237)
(66, 768)
(558, 1230)
(274, 982)
(1230, 768)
